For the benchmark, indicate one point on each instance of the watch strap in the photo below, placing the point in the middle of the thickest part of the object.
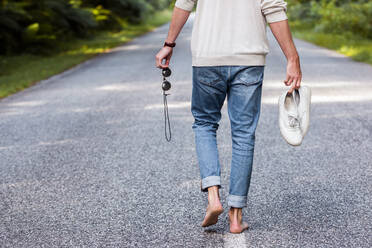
(173, 44)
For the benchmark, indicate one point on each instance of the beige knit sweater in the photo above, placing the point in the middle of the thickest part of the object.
(232, 32)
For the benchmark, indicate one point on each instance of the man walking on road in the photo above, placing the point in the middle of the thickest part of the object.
(229, 46)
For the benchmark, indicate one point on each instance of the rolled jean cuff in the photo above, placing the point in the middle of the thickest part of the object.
(210, 181)
(237, 201)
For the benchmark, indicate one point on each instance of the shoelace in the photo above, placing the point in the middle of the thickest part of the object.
(167, 125)
(294, 120)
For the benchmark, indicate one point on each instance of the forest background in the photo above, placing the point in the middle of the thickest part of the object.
(40, 38)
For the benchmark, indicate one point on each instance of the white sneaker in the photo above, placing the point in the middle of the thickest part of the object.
(289, 120)
(304, 108)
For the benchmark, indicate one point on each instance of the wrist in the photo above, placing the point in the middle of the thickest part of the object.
(169, 44)
(169, 40)
(293, 58)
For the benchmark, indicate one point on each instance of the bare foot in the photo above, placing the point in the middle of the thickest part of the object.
(237, 225)
(211, 217)
(214, 208)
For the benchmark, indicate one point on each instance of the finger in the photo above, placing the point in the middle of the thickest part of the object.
(158, 62)
(290, 81)
(290, 90)
(296, 84)
(164, 63)
(299, 82)
(161, 65)
(286, 80)
(167, 61)
(293, 86)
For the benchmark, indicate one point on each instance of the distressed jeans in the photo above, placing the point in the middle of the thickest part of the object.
(242, 85)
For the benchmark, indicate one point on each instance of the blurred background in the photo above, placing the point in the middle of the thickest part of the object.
(342, 25)
(40, 38)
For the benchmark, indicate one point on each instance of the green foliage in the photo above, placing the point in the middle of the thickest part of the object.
(23, 70)
(132, 10)
(357, 48)
(38, 26)
(351, 18)
(341, 25)
(12, 18)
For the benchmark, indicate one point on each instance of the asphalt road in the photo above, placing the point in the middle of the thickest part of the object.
(84, 162)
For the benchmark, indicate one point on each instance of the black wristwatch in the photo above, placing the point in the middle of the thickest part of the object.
(173, 44)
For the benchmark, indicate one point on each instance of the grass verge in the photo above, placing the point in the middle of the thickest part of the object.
(22, 71)
(357, 48)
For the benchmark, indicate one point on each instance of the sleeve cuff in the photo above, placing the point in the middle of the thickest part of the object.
(187, 5)
(276, 16)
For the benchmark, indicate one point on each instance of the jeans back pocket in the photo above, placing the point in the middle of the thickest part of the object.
(249, 75)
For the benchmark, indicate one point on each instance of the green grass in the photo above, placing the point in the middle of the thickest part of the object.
(355, 47)
(22, 71)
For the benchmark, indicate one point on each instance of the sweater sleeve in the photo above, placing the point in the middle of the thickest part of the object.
(274, 10)
(187, 5)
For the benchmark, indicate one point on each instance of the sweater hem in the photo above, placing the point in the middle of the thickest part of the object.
(242, 60)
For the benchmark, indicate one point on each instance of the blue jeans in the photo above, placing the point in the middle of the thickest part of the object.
(243, 86)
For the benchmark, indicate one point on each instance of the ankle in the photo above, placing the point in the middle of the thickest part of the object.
(235, 214)
(213, 194)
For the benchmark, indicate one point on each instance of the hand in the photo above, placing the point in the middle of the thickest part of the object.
(294, 75)
(164, 53)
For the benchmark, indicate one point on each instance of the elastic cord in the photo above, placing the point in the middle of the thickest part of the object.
(166, 119)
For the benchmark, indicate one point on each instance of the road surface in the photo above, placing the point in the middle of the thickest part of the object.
(84, 162)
